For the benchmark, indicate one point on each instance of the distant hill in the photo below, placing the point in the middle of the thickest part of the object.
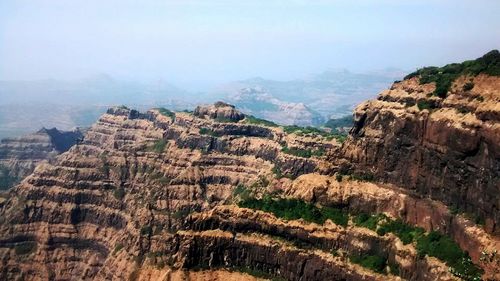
(331, 94)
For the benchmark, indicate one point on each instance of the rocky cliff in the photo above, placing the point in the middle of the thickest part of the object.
(216, 194)
(19, 156)
(439, 141)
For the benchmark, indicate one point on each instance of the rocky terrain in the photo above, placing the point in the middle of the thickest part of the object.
(19, 156)
(214, 194)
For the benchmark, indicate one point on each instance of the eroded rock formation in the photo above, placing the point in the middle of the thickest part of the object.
(154, 195)
(19, 156)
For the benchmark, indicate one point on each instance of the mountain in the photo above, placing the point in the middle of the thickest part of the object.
(28, 105)
(332, 93)
(258, 102)
(217, 194)
(19, 156)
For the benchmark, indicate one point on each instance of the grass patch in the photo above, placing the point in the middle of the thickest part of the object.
(242, 192)
(435, 245)
(207, 131)
(444, 248)
(293, 209)
(444, 76)
(424, 104)
(304, 153)
(468, 86)
(118, 247)
(372, 262)
(314, 132)
(165, 112)
(405, 232)
(158, 146)
(369, 221)
(249, 119)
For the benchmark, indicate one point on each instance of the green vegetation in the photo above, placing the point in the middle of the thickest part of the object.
(405, 232)
(424, 104)
(435, 245)
(462, 110)
(369, 221)
(292, 209)
(207, 131)
(25, 248)
(146, 230)
(304, 153)
(314, 132)
(357, 176)
(302, 131)
(468, 86)
(339, 177)
(158, 146)
(444, 76)
(166, 112)
(6, 180)
(242, 192)
(444, 248)
(249, 119)
(279, 174)
(118, 248)
(432, 244)
(375, 263)
(182, 213)
(119, 193)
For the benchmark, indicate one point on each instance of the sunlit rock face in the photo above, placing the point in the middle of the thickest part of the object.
(157, 195)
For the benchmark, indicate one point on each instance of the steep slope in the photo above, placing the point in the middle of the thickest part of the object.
(19, 156)
(218, 194)
(134, 175)
(440, 140)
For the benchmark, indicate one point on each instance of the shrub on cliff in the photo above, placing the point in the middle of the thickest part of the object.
(444, 248)
(158, 146)
(166, 112)
(373, 262)
(424, 104)
(445, 76)
(249, 119)
(292, 209)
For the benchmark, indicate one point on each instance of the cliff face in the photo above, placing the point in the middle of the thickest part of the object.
(19, 156)
(135, 177)
(448, 149)
(217, 194)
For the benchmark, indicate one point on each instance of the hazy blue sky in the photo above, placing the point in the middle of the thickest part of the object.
(208, 42)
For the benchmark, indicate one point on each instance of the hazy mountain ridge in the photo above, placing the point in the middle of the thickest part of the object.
(28, 105)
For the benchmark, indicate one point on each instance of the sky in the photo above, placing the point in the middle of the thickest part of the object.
(199, 44)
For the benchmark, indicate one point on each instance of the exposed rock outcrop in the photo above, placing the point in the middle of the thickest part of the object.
(155, 195)
(449, 152)
(19, 156)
